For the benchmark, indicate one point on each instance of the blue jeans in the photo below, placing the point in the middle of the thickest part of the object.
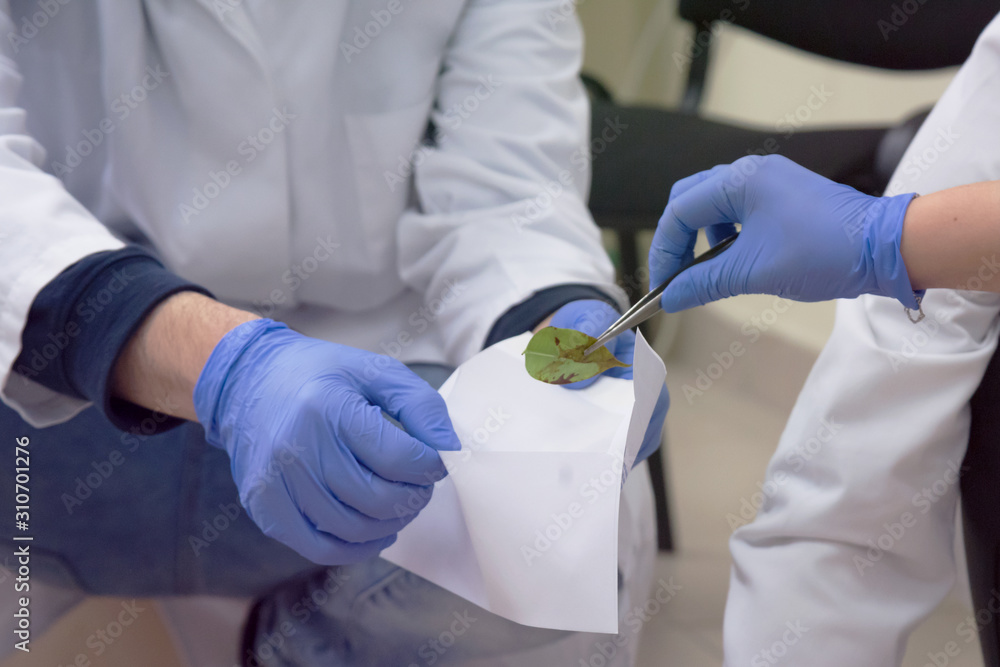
(130, 514)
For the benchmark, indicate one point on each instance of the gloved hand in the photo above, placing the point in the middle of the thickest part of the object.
(804, 237)
(594, 317)
(317, 465)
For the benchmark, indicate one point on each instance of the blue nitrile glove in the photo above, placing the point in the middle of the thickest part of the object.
(594, 317)
(317, 465)
(804, 237)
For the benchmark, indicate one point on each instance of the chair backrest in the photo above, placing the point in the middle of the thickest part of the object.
(891, 34)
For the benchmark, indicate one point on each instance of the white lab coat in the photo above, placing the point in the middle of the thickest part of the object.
(272, 153)
(854, 545)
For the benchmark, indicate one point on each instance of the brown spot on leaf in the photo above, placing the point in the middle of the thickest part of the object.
(556, 356)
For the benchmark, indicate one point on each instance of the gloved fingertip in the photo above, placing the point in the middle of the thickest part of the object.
(442, 438)
(582, 384)
(685, 291)
(450, 442)
(675, 301)
(435, 473)
(591, 316)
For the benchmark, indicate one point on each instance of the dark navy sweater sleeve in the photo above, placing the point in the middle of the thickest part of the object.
(79, 324)
(526, 315)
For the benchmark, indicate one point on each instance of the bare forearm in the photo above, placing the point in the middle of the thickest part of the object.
(160, 365)
(951, 236)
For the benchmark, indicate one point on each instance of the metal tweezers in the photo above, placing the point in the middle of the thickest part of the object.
(649, 305)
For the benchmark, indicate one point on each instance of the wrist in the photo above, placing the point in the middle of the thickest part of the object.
(222, 380)
(883, 242)
(160, 365)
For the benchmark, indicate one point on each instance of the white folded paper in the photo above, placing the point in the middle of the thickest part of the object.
(526, 523)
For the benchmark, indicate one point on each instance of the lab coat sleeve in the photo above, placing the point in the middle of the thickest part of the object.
(500, 207)
(853, 545)
(43, 230)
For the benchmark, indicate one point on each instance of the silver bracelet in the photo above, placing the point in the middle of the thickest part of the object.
(920, 309)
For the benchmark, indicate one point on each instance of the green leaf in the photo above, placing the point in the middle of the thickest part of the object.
(556, 356)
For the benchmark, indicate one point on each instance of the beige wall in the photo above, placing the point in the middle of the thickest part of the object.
(752, 79)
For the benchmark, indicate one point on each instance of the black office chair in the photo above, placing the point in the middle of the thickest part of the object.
(633, 173)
